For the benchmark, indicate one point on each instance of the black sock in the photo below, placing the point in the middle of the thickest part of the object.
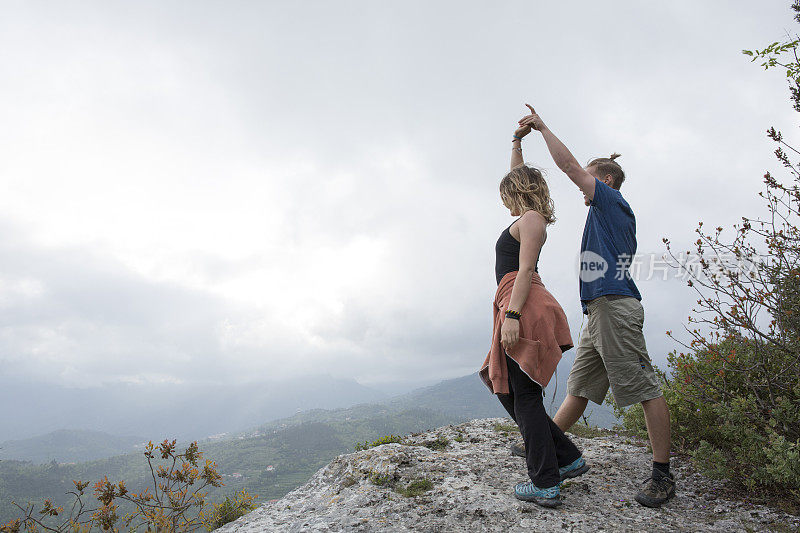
(660, 469)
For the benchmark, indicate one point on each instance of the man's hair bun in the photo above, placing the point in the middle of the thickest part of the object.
(606, 166)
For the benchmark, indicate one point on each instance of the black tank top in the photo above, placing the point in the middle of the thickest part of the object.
(507, 255)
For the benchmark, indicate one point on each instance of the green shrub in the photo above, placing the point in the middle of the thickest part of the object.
(366, 445)
(415, 488)
(228, 510)
(743, 430)
(439, 444)
(506, 428)
(730, 430)
(380, 479)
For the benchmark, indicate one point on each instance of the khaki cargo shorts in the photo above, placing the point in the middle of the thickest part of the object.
(612, 351)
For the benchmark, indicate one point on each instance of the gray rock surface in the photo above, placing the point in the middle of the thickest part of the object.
(472, 480)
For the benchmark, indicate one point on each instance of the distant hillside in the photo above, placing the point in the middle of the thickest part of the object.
(461, 398)
(448, 402)
(269, 462)
(68, 445)
(275, 457)
(467, 398)
(193, 412)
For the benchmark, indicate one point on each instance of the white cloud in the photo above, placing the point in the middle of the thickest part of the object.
(212, 193)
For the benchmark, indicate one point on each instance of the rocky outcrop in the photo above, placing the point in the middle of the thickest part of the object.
(460, 478)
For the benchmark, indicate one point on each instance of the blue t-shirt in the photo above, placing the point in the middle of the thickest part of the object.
(608, 246)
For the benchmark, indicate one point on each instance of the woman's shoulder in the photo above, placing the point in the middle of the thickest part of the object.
(533, 223)
(532, 219)
(532, 214)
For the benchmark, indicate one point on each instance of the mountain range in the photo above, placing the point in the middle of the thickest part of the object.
(269, 459)
(215, 414)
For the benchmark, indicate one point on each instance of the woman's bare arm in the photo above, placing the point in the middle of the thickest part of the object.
(532, 233)
(516, 146)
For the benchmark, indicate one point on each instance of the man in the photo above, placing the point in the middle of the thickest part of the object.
(611, 350)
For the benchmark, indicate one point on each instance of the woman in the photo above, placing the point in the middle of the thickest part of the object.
(530, 334)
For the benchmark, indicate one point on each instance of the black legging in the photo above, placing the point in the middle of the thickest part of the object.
(547, 447)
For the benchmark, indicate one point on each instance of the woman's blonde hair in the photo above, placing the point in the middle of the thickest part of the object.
(524, 189)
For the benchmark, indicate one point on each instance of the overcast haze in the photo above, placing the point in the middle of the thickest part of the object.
(209, 192)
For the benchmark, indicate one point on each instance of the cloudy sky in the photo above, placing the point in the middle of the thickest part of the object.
(238, 191)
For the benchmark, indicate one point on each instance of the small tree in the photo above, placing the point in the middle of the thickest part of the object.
(168, 508)
(734, 393)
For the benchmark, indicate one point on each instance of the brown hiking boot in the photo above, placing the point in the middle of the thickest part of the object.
(656, 491)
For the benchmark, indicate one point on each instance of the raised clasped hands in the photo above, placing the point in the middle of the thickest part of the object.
(522, 131)
(532, 121)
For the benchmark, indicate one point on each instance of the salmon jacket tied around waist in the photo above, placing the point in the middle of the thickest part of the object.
(543, 336)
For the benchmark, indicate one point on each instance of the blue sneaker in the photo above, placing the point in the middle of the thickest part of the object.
(574, 469)
(528, 492)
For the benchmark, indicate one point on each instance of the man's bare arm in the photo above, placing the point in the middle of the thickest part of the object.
(561, 155)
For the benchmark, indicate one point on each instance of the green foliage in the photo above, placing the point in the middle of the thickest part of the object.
(169, 507)
(735, 411)
(734, 395)
(732, 429)
(415, 488)
(227, 511)
(783, 55)
(772, 56)
(380, 479)
(506, 428)
(440, 443)
(584, 430)
(383, 440)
